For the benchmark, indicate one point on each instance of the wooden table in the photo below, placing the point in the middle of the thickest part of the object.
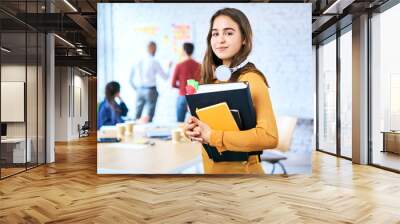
(164, 157)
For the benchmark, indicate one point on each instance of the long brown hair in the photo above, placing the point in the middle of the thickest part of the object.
(211, 61)
(249, 67)
(112, 89)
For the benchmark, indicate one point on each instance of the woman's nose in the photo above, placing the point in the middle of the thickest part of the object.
(221, 39)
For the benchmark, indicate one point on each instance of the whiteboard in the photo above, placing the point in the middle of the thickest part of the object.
(12, 101)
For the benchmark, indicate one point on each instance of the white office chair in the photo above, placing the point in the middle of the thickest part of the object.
(286, 126)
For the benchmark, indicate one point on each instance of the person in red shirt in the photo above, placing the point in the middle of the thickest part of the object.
(188, 69)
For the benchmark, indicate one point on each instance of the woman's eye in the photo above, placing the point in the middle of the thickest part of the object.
(229, 33)
(214, 34)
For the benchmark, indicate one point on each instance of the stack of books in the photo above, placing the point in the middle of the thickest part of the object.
(225, 107)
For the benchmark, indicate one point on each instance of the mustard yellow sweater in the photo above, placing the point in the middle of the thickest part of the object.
(263, 136)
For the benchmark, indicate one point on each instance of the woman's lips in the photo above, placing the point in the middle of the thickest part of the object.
(221, 48)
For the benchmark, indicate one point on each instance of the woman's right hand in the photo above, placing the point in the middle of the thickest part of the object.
(189, 129)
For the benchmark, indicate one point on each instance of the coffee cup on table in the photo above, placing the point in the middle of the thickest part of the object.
(176, 135)
(120, 130)
(129, 128)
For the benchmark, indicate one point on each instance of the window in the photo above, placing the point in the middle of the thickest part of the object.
(327, 96)
(22, 74)
(346, 93)
(385, 87)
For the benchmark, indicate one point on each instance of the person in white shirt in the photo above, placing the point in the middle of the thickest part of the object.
(145, 83)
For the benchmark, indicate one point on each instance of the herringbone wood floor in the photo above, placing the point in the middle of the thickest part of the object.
(70, 191)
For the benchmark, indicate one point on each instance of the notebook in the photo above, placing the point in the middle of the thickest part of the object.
(218, 117)
(160, 134)
(236, 95)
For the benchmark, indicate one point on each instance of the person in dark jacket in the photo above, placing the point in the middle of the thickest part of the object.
(110, 111)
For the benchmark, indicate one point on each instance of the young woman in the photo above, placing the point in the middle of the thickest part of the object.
(229, 43)
(111, 112)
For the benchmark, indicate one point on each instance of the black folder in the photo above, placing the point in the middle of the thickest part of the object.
(238, 97)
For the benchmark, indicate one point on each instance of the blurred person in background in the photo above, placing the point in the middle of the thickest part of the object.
(187, 69)
(143, 80)
(111, 111)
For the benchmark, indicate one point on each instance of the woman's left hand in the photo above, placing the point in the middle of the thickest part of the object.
(204, 131)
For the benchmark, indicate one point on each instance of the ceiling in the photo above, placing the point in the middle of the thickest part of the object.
(76, 21)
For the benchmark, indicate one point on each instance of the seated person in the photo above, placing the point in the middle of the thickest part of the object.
(111, 112)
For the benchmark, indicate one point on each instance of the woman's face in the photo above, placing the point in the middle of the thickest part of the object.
(226, 38)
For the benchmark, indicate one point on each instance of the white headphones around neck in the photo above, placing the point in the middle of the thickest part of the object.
(223, 73)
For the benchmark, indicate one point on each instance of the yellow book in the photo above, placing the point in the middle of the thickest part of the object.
(218, 117)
